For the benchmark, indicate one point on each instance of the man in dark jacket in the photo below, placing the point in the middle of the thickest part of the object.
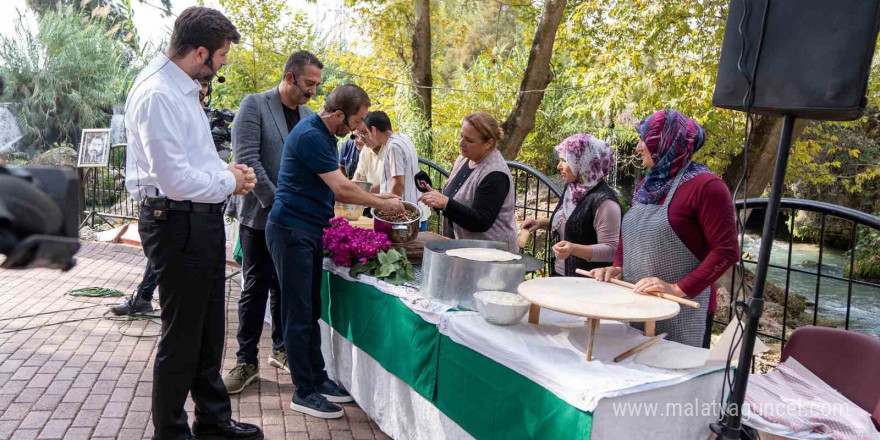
(258, 133)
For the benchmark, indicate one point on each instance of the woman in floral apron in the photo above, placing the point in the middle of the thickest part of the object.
(679, 236)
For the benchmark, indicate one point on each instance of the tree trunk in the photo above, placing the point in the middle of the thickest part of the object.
(762, 158)
(762, 155)
(537, 76)
(421, 58)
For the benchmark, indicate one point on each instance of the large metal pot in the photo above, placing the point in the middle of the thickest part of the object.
(399, 232)
(454, 280)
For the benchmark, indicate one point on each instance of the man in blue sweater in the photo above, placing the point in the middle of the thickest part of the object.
(308, 182)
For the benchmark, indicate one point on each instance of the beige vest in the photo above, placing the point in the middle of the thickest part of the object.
(504, 228)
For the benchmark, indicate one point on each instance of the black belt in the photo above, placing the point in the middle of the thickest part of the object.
(187, 206)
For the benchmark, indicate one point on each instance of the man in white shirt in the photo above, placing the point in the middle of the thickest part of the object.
(398, 161)
(173, 169)
(369, 167)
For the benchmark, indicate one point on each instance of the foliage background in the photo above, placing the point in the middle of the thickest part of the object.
(614, 62)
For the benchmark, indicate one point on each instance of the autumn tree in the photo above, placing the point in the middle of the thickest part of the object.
(270, 32)
(536, 77)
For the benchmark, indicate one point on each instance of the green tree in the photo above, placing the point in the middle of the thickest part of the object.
(269, 34)
(66, 76)
(43, 6)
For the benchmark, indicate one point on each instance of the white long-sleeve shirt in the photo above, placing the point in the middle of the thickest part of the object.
(170, 148)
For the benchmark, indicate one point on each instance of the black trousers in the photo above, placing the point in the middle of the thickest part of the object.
(188, 254)
(260, 284)
(298, 255)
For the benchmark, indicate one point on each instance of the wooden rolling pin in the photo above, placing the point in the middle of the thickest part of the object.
(673, 298)
(640, 347)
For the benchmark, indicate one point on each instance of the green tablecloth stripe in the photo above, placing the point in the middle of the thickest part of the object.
(493, 402)
(485, 398)
(380, 325)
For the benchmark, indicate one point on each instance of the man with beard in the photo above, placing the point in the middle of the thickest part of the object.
(173, 170)
(309, 181)
(260, 127)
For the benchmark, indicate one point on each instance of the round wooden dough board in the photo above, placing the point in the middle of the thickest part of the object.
(593, 299)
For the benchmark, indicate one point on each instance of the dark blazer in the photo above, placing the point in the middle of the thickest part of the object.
(258, 134)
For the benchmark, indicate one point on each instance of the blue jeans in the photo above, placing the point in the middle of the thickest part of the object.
(297, 254)
(423, 226)
(148, 284)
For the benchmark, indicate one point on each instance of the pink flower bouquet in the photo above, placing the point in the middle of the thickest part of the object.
(348, 245)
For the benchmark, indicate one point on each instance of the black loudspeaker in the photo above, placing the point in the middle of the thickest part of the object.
(814, 59)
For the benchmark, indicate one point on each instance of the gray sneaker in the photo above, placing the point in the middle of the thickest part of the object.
(133, 305)
(239, 377)
(279, 360)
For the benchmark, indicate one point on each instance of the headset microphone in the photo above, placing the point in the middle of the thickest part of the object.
(220, 78)
(296, 83)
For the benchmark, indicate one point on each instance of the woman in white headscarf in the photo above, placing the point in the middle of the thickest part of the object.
(587, 220)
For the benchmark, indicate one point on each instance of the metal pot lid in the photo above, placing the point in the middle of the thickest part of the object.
(531, 264)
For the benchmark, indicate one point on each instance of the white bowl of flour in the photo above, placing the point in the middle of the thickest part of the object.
(501, 308)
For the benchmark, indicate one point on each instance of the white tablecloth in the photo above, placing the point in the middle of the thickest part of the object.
(553, 355)
(660, 413)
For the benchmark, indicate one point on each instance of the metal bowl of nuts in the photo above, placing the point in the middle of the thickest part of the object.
(400, 227)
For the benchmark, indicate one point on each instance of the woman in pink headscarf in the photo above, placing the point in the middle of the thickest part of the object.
(587, 220)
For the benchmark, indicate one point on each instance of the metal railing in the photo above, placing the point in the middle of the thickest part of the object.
(438, 177)
(856, 219)
(104, 192)
(536, 196)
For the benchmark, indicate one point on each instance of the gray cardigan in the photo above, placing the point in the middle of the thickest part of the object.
(258, 134)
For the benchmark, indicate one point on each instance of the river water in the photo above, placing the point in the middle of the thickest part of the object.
(865, 310)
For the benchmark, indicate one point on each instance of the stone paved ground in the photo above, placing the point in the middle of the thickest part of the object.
(91, 377)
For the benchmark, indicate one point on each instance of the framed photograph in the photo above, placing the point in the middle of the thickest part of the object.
(94, 148)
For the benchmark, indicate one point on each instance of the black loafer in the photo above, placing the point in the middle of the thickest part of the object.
(229, 429)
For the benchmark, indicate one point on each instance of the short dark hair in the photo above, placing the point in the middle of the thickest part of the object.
(298, 61)
(198, 26)
(349, 98)
(378, 119)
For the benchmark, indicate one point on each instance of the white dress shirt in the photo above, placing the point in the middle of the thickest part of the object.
(170, 148)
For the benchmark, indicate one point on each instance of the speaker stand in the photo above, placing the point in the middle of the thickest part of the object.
(730, 426)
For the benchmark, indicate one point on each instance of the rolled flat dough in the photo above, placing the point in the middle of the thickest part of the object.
(672, 356)
(483, 254)
(593, 299)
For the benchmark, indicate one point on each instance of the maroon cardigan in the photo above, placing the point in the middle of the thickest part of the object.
(701, 214)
